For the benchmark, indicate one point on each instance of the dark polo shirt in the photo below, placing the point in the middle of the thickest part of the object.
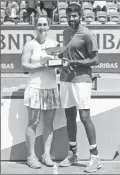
(81, 44)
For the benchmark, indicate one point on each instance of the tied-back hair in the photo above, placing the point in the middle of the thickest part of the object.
(42, 16)
(74, 7)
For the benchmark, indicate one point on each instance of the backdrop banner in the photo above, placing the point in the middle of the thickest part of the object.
(13, 39)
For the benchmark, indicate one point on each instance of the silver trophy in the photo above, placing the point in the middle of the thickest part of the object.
(57, 52)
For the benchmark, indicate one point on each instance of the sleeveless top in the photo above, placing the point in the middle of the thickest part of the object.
(44, 78)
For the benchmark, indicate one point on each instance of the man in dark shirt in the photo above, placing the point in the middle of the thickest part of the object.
(31, 6)
(81, 54)
(49, 6)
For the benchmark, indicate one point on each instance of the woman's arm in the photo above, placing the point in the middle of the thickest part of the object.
(26, 56)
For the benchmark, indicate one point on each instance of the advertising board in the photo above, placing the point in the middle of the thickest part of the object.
(13, 39)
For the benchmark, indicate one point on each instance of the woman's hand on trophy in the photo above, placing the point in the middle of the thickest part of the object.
(45, 58)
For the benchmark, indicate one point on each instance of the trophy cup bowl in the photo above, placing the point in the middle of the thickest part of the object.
(55, 51)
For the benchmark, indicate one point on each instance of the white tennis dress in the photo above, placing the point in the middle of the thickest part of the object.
(45, 78)
(41, 91)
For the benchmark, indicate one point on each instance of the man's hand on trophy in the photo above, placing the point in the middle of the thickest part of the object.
(66, 62)
(60, 55)
(56, 56)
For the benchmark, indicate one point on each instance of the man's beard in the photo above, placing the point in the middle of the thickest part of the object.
(74, 25)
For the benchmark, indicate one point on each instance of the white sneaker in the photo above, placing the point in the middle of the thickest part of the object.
(47, 160)
(94, 164)
(69, 160)
(33, 162)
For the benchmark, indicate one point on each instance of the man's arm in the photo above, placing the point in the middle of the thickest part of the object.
(92, 49)
(92, 61)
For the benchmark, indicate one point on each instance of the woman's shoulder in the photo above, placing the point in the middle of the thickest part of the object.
(30, 43)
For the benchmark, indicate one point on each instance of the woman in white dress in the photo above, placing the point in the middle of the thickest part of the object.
(41, 94)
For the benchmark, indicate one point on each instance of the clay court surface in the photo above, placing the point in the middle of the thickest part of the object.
(109, 167)
(14, 83)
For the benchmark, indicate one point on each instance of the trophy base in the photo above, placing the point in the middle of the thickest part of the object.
(55, 62)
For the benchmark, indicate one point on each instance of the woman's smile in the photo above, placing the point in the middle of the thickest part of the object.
(42, 31)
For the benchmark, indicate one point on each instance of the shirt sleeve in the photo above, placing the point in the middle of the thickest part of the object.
(52, 43)
(56, 43)
(66, 36)
(91, 42)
